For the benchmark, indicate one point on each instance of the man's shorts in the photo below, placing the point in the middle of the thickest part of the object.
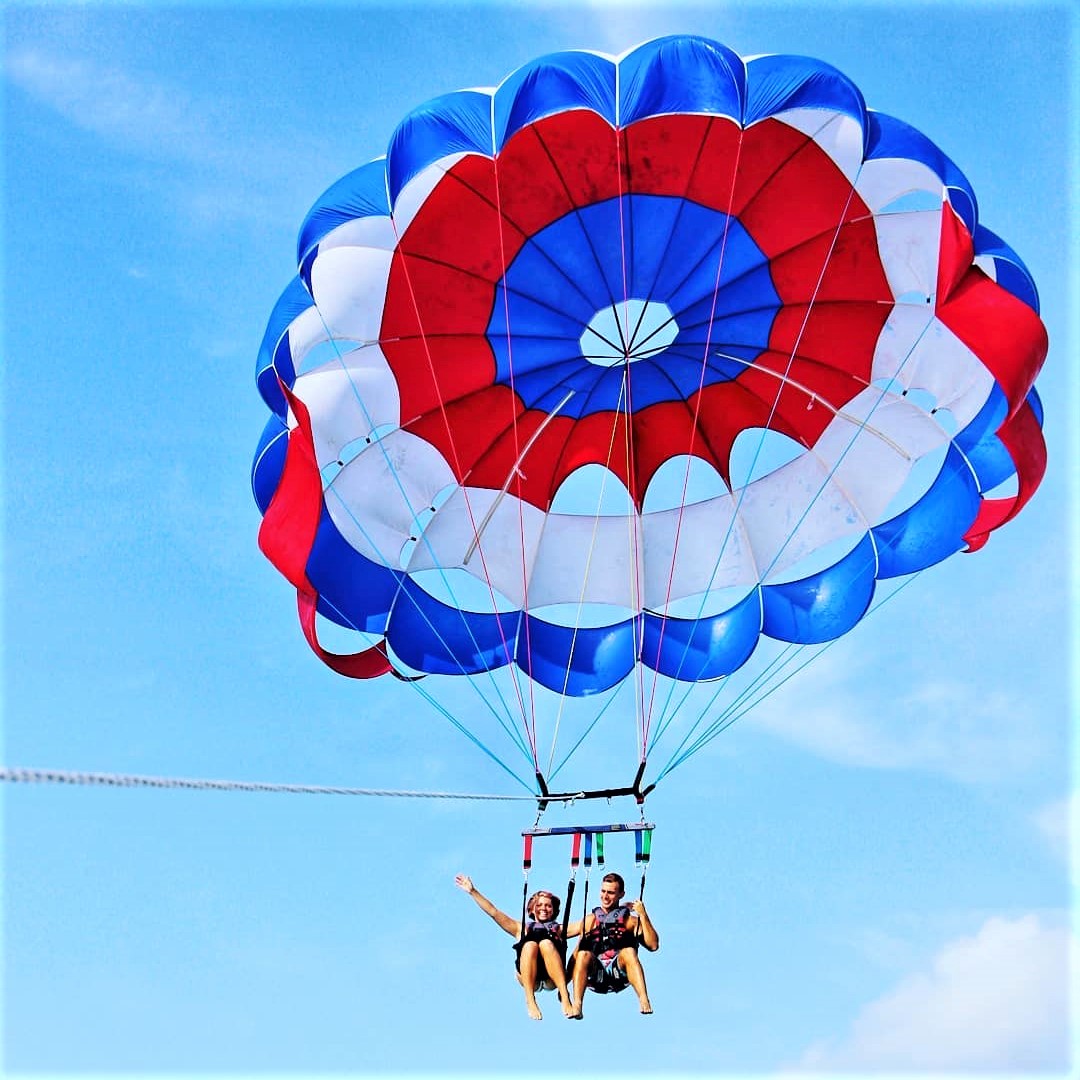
(605, 974)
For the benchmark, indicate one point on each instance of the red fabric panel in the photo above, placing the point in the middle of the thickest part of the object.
(459, 223)
(432, 298)
(839, 265)
(1003, 332)
(476, 419)
(287, 534)
(555, 164)
(1023, 438)
(431, 371)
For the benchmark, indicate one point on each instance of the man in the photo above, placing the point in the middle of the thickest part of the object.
(540, 946)
(606, 959)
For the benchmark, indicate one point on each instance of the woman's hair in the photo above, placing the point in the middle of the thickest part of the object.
(551, 896)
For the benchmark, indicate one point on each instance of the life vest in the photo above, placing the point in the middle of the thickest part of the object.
(610, 931)
(542, 931)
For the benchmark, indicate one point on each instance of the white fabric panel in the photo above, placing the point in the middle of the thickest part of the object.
(932, 358)
(909, 244)
(366, 492)
(839, 135)
(305, 332)
(884, 180)
(348, 399)
(872, 461)
(414, 194)
(700, 562)
(368, 232)
(349, 286)
(795, 499)
(588, 559)
(452, 530)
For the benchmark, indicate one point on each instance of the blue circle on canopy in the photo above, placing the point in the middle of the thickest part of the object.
(575, 268)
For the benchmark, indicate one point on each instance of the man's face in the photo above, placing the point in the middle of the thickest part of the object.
(610, 894)
(543, 909)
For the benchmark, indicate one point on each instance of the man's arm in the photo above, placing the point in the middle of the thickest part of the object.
(644, 927)
(511, 926)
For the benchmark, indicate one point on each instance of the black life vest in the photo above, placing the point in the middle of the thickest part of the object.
(610, 931)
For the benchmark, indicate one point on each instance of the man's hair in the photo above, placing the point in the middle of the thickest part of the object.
(617, 878)
(551, 896)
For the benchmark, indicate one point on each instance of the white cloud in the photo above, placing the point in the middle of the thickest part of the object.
(108, 101)
(941, 725)
(996, 1001)
(1054, 822)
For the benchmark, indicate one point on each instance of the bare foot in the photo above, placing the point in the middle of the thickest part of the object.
(575, 1013)
(534, 1010)
(646, 1009)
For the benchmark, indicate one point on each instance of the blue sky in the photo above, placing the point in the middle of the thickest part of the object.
(868, 873)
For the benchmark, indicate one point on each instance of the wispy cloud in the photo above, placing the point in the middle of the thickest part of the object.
(1054, 822)
(216, 168)
(937, 725)
(995, 1001)
(152, 118)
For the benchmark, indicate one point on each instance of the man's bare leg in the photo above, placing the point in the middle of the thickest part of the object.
(527, 978)
(635, 974)
(582, 960)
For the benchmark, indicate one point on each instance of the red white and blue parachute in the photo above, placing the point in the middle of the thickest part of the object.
(628, 364)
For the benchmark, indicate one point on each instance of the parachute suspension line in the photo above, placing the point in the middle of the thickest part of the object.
(760, 679)
(511, 731)
(730, 715)
(518, 453)
(581, 597)
(694, 432)
(437, 705)
(529, 729)
(768, 422)
(633, 518)
(20, 775)
(596, 719)
(422, 537)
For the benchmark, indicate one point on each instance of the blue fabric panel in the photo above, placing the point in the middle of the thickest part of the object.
(556, 83)
(888, 137)
(362, 193)
(990, 461)
(292, 303)
(431, 636)
(450, 124)
(825, 605)
(1011, 273)
(775, 84)
(681, 74)
(932, 529)
(269, 461)
(985, 422)
(598, 657)
(697, 649)
(354, 591)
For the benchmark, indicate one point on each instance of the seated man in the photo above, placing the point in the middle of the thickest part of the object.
(606, 959)
(541, 947)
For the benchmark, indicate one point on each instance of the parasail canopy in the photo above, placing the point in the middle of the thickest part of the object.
(615, 371)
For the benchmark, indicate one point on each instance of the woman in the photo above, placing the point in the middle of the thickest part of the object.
(541, 947)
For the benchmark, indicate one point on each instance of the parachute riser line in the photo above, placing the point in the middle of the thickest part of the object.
(636, 790)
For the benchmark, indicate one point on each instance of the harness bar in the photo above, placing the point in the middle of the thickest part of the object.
(634, 789)
(565, 830)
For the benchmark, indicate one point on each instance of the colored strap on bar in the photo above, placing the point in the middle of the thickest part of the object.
(575, 851)
(588, 849)
(527, 860)
(599, 849)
